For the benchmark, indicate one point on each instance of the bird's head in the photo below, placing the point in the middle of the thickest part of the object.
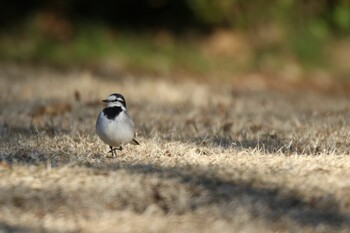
(115, 100)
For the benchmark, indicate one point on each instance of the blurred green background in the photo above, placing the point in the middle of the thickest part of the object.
(205, 38)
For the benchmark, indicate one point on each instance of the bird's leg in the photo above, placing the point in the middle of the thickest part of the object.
(112, 150)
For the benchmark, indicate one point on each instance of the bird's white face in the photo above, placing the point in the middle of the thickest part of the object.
(115, 100)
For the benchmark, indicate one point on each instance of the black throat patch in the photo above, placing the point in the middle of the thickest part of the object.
(112, 112)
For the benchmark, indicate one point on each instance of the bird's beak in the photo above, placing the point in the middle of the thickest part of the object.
(105, 101)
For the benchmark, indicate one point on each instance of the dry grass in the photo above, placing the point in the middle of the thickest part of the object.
(213, 158)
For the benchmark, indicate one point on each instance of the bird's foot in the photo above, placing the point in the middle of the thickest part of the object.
(113, 150)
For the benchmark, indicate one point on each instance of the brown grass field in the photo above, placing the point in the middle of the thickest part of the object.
(213, 157)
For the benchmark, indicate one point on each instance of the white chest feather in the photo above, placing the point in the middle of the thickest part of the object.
(117, 131)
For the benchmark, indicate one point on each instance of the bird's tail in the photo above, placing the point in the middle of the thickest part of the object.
(135, 142)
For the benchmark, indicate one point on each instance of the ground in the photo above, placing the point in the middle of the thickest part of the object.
(214, 157)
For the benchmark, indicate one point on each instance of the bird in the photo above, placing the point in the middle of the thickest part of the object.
(114, 125)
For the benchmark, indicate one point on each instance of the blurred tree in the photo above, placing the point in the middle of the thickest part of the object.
(179, 14)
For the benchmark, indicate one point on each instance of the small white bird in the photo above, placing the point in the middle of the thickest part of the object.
(114, 125)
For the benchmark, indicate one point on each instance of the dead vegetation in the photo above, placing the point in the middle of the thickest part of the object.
(213, 158)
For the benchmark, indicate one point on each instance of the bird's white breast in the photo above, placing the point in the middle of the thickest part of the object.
(117, 131)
